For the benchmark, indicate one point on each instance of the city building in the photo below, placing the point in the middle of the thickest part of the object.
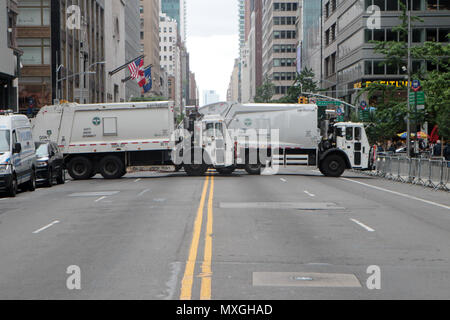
(132, 44)
(242, 5)
(254, 41)
(233, 87)
(193, 91)
(150, 41)
(348, 58)
(9, 55)
(210, 96)
(168, 35)
(245, 77)
(115, 50)
(176, 9)
(63, 44)
(279, 44)
(310, 38)
(170, 56)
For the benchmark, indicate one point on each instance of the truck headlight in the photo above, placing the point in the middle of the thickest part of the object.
(4, 169)
(42, 164)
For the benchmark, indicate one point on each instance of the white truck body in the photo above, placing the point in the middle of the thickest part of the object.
(106, 127)
(136, 133)
(298, 139)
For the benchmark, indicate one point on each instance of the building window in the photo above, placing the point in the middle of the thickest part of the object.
(34, 13)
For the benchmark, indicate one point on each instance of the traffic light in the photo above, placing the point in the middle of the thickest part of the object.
(303, 100)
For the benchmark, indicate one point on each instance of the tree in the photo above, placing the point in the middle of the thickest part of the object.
(304, 82)
(265, 92)
(390, 102)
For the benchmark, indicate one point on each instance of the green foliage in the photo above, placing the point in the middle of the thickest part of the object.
(265, 92)
(391, 102)
(304, 82)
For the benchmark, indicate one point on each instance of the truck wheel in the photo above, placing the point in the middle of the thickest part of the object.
(13, 187)
(253, 169)
(195, 169)
(178, 167)
(80, 168)
(226, 171)
(333, 166)
(111, 167)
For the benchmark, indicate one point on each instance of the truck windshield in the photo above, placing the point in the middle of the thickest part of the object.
(4, 140)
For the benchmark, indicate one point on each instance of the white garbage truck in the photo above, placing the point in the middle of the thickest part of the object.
(230, 136)
(108, 138)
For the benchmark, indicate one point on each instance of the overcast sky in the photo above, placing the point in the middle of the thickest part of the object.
(212, 42)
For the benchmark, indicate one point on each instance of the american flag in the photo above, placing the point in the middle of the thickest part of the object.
(135, 68)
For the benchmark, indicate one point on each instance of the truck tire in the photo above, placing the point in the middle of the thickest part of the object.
(226, 171)
(253, 169)
(13, 187)
(333, 166)
(111, 167)
(195, 169)
(80, 168)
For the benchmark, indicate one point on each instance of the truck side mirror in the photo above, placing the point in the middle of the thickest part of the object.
(17, 148)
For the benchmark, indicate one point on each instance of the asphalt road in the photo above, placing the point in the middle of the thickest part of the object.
(296, 235)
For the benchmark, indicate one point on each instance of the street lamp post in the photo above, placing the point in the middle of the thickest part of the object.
(408, 122)
(71, 76)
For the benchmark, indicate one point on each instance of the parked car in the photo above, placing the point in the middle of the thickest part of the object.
(49, 164)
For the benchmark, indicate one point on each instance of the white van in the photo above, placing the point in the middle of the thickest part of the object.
(17, 154)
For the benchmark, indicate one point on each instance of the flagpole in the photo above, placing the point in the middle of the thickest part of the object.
(125, 65)
(129, 78)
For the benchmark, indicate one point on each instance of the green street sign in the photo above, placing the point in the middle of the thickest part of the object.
(327, 103)
(420, 98)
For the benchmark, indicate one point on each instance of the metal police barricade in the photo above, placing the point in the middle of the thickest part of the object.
(380, 166)
(416, 170)
(435, 174)
(404, 169)
(446, 176)
(389, 168)
(394, 169)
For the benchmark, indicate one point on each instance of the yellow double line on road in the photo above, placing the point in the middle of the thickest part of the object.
(206, 271)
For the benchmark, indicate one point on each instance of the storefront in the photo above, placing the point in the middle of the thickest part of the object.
(8, 93)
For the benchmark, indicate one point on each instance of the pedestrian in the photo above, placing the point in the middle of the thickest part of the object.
(437, 149)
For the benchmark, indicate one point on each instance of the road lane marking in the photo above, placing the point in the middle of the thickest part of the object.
(143, 192)
(188, 278)
(46, 227)
(363, 225)
(206, 275)
(100, 199)
(309, 194)
(399, 194)
(284, 180)
(137, 180)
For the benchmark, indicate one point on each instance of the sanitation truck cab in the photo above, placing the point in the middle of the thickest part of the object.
(216, 141)
(352, 139)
